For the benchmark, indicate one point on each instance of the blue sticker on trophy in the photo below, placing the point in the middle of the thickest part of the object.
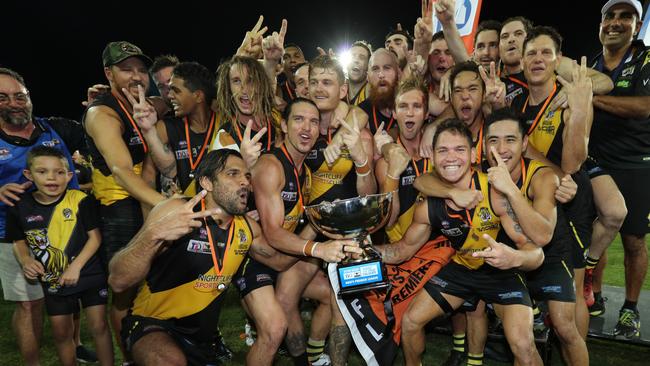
(360, 274)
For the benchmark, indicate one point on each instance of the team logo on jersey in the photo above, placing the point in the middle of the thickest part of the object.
(34, 218)
(445, 224)
(197, 246)
(67, 214)
(51, 143)
(484, 214)
(312, 155)
(242, 237)
(203, 233)
(5, 154)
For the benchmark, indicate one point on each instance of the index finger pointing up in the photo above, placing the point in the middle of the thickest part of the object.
(497, 157)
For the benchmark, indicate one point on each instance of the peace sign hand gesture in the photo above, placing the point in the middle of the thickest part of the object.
(251, 148)
(381, 138)
(495, 89)
(144, 113)
(352, 140)
(424, 26)
(251, 46)
(181, 220)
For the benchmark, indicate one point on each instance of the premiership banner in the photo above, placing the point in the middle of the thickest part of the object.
(375, 323)
(467, 17)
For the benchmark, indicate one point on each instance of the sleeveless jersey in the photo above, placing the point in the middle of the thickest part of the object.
(295, 192)
(558, 249)
(183, 283)
(328, 184)
(56, 233)
(465, 228)
(177, 132)
(105, 188)
(545, 127)
(516, 85)
(360, 97)
(407, 196)
(375, 117)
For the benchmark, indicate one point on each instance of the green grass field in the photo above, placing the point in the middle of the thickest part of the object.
(232, 325)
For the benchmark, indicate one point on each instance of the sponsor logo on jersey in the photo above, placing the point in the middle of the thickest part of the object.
(197, 246)
(34, 218)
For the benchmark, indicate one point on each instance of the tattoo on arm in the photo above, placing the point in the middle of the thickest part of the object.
(340, 342)
(512, 215)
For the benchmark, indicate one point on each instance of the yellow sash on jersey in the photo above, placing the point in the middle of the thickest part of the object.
(484, 221)
(192, 297)
(106, 189)
(325, 178)
(545, 130)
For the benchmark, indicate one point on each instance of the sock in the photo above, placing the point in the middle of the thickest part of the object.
(630, 305)
(536, 310)
(474, 359)
(300, 360)
(315, 349)
(591, 263)
(598, 296)
(459, 342)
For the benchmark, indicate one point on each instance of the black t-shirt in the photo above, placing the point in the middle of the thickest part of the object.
(56, 233)
(623, 143)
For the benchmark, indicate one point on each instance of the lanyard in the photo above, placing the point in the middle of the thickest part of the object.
(268, 133)
(286, 86)
(600, 64)
(205, 143)
(469, 217)
(517, 81)
(295, 172)
(415, 163)
(135, 126)
(541, 111)
(374, 117)
(479, 148)
(217, 269)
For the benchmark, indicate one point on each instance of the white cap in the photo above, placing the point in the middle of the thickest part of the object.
(633, 3)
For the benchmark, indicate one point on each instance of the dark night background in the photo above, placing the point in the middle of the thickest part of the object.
(57, 45)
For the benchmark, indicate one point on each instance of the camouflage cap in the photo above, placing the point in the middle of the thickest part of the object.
(116, 52)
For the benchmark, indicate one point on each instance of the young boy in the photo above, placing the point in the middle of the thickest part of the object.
(59, 226)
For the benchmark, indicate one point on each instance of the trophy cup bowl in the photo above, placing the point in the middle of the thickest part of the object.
(355, 218)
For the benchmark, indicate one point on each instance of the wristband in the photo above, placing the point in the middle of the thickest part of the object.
(363, 169)
(308, 248)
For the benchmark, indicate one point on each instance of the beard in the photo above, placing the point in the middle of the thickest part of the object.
(9, 116)
(229, 200)
(383, 99)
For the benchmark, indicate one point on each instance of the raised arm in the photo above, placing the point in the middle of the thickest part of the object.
(104, 127)
(577, 118)
(446, 14)
(154, 133)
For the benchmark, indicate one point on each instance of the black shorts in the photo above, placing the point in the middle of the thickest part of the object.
(633, 184)
(552, 281)
(120, 222)
(254, 275)
(196, 352)
(581, 213)
(593, 168)
(485, 283)
(69, 304)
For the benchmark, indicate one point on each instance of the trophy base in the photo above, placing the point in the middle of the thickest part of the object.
(361, 276)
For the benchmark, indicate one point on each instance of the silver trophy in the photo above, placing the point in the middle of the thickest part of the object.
(355, 218)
